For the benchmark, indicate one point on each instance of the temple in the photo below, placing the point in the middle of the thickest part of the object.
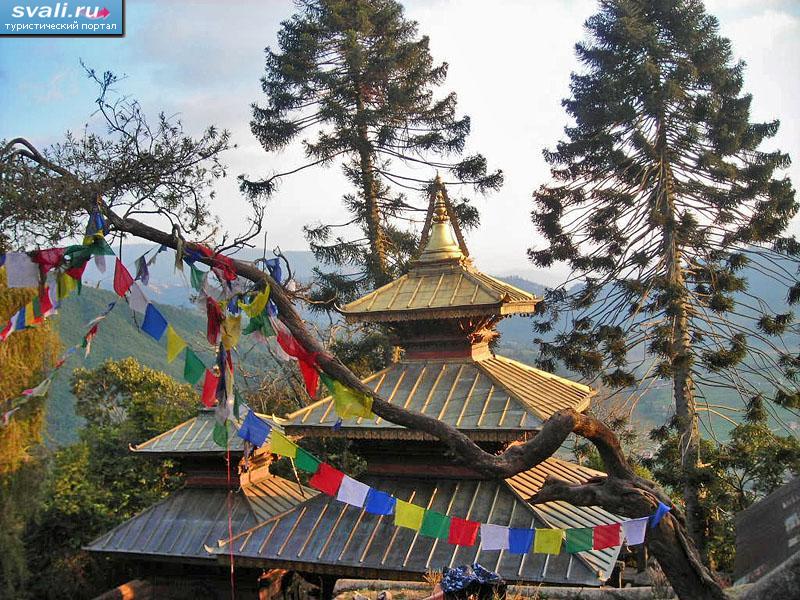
(443, 315)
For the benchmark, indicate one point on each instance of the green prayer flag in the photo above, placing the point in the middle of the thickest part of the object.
(193, 368)
(100, 247)
(197, 278)
(221, 433)
(579, 540)
(37, 308)
(237, 403)
(435, 525)
(261, 324)
(305, 461)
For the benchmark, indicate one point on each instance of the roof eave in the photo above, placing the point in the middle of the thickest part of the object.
(447, 312)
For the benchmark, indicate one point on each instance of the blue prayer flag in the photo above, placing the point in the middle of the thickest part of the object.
(254, 430)
(233, 306)
(274, 268)
(379, 503)
(20, 324)
(154, 323)
(520, 540)
(272, 308)
(655, 518)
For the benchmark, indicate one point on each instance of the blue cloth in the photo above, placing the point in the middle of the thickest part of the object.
(469, 577)
(274, 268)
(2, 259)
(272, 308)
(154, 323)
(520, 540)
(254, 430)
(379, 503)
(655, 518)
(190, 256)
(20, 324)
(233, 306)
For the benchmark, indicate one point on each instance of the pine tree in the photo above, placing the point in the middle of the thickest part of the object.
(661, 199)
(355, 81)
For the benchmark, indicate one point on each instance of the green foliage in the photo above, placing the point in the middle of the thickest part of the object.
(752, 463)
(25, 357)
(97, 483)
(354, 82)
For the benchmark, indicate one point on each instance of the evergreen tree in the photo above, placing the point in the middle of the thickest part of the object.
(661, 198)
(355, 81)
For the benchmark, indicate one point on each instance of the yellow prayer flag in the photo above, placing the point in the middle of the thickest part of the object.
(408, 515)
(350, 403)
(257, 306)
(231, 331)
(29, 316)
(548, 541)
(280, 444)
(65, 285)
(175, 344)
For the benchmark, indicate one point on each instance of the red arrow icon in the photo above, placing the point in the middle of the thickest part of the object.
(102, 14)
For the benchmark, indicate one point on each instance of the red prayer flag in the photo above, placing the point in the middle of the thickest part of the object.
(122, 279)
(77, 272)
(215, 318)
(48, 259)
(45, 304)
(606, 536)
(463, 532)
(307, 361)
(327, 479)
(209, 397)
(6, 331)
(223, 268)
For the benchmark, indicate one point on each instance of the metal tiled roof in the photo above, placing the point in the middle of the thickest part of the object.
(489, 398)
(180, 526)
(445, 290)
(326, 536)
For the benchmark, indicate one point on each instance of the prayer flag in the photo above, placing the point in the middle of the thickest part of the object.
(520, 540)
(175, 344)
(306, 360)
(7, 330)
(193, 368)
(30, 317)
(606, 536)
(122, 279)
(548, 541)
(48, 259)
(39, 390)
(463, 532)
(634, 530)
(408, 515)
(259, 324)
(231, 331)
(305, 461)
(142, 270)
(662, 510)
(19, 325)
(21, 271)
(45, 303)
(65, 285)
(281, 445)
(221, 433)
(579, 539)
(274, 268)
(197, 277)
(494, 537)
(379, 503)
(254, 430)
(346, 401)
(137, 300)
(100, 262)
(435, 525)
(327, 479)
(209, 397)
(154, 323)
(257, 304)
(215, 318)
(352, 492)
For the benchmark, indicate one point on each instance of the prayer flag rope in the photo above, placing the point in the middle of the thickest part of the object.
(430, 523)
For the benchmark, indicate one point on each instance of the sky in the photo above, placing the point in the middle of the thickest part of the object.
(510, 62)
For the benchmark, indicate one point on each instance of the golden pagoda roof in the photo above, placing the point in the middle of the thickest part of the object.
(441, 283)
(495, 398)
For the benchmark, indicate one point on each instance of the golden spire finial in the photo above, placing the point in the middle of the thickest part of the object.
(439, 244)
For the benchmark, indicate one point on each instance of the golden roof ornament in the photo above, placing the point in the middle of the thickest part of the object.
(440, 244)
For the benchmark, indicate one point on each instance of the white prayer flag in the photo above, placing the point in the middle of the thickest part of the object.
(137, 299)
(633, 531)
(100, 263)
(21, 271)
(494, 537)
(352, 492)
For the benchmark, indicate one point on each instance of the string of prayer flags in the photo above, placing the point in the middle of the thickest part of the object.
(352, 492)
(175, 344)
(435, 525)
(606, 536)
(579, 540)
(548, 541)
(347, 402)
(494, 537)
(254, 430)
(520, 540)
(39, 390)
(305, 461)
(21, 271)
(408, 515)
(634, 530)
(281, 445)
(379, 503)
(209, 395)
(327, 479)
(154, 323)
(122, 279)
(463, 532)
(193, 367)
(661, 510)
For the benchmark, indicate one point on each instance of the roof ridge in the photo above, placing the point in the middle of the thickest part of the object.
(136, 447)
(547, 374)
